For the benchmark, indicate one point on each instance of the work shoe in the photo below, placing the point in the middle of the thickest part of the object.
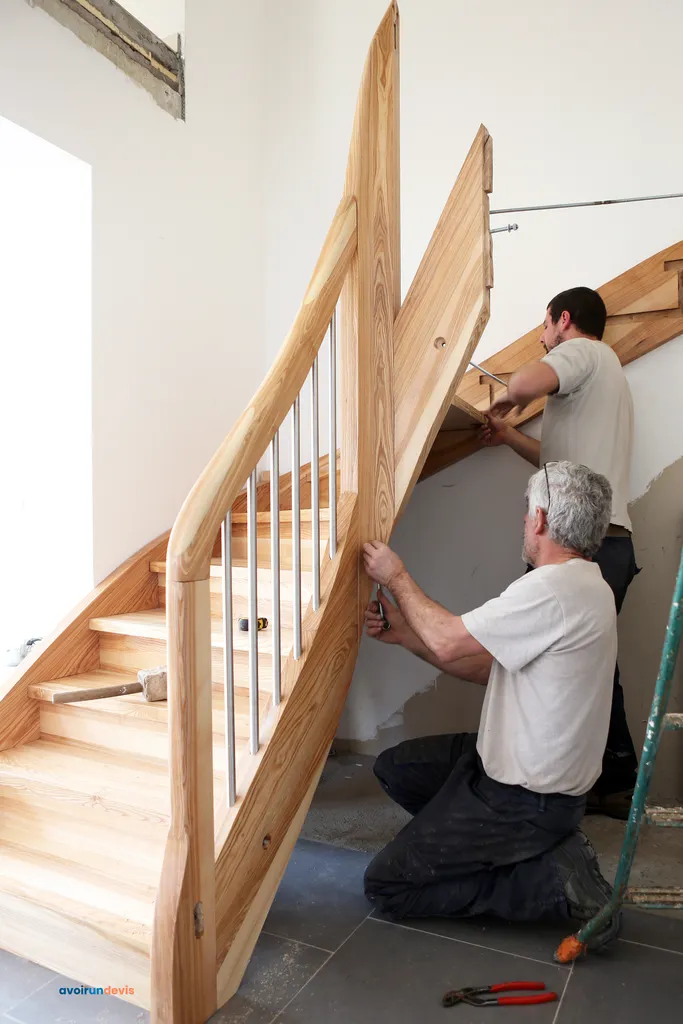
(612, 805)
(585, 889)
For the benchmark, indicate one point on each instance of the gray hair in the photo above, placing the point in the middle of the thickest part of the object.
(578, 508)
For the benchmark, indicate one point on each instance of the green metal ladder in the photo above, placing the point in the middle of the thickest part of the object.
(659, 898)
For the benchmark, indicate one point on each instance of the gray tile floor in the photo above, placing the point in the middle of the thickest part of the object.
(323, 956)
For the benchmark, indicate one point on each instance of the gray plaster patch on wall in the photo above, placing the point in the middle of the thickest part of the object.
(657, 518)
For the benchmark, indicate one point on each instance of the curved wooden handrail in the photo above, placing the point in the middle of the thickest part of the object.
(194, 533)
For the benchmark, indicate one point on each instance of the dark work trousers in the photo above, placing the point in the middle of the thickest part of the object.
(475, 846)
(617, 562)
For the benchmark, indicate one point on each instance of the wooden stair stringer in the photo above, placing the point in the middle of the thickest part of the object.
(262, 828)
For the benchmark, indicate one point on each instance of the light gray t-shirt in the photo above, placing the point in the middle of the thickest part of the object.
(590, 419)
(553, 638)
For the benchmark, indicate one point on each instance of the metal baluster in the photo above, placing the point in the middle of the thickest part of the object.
(332, 457)
(252, 616)
(296, 525)
(315, 485)
(275, 560)
(228, 663)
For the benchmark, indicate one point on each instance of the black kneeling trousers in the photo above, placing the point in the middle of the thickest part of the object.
(474, 846)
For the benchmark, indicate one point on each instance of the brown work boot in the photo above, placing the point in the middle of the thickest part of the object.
(612, 805)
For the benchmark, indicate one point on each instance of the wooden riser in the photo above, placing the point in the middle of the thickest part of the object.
(129, 654)
(87, 837)
(131, 788)
(240, 594)
(263, 560)
(69, 938)
(129, 724)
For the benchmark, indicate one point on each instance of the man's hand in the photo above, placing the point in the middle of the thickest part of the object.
(400, 631)
(495, 431)
(381, 563)
(504, 405)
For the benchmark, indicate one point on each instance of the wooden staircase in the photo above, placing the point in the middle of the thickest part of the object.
(85, 808)
(139, 847)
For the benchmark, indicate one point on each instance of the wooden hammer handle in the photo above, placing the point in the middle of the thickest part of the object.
(96, 693)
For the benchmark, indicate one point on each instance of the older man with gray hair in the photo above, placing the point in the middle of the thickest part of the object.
(496, 812)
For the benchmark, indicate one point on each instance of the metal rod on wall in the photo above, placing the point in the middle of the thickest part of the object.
(593, 202)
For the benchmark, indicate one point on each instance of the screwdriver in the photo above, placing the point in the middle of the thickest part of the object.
(385, 622)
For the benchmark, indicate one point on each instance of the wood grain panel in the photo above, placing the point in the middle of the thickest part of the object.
(72, 647)
(443, 316)
(184, 935)
(371, 295)
(288, 766)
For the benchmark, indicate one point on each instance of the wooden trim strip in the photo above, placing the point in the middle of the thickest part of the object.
(194, 534)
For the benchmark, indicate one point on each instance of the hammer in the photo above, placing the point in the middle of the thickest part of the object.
(152, 682)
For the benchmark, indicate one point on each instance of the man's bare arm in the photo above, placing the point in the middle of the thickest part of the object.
(531, 382)
(443, 633)
(474, 668)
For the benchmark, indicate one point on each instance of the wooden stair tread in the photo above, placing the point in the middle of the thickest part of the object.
(151, 625)
(131, 705)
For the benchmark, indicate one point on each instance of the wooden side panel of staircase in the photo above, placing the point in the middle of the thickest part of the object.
(264, 828)
(443, 316)
(371, 295)
(73, 647)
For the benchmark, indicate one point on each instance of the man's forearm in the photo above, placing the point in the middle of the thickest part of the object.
(474, 668)
(442, 633)
(528, 447)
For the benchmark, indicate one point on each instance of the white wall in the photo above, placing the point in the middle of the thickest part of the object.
(177, 324)
(581, 101)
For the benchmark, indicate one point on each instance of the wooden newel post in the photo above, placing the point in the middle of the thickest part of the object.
(371, 297)
(184, 947)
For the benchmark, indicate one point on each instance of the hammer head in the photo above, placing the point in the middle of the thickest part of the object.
(154, 682)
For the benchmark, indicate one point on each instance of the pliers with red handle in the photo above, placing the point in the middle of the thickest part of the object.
(489, 995)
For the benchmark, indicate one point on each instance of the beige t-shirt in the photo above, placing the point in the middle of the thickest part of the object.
(553, 637)
(590, 419)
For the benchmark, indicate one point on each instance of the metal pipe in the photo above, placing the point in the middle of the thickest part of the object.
(228, 662)
(275, 562)
(488, 373)
(332, 456)
(593, 202)
(252, 563)
(508, 227)
(315, 485)
(296, 525)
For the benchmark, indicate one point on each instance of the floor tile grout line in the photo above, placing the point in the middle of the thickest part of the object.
(648, 945)
(288, 938)
(564, 992)
(24, 998)
(464, 942)
(316, 973)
